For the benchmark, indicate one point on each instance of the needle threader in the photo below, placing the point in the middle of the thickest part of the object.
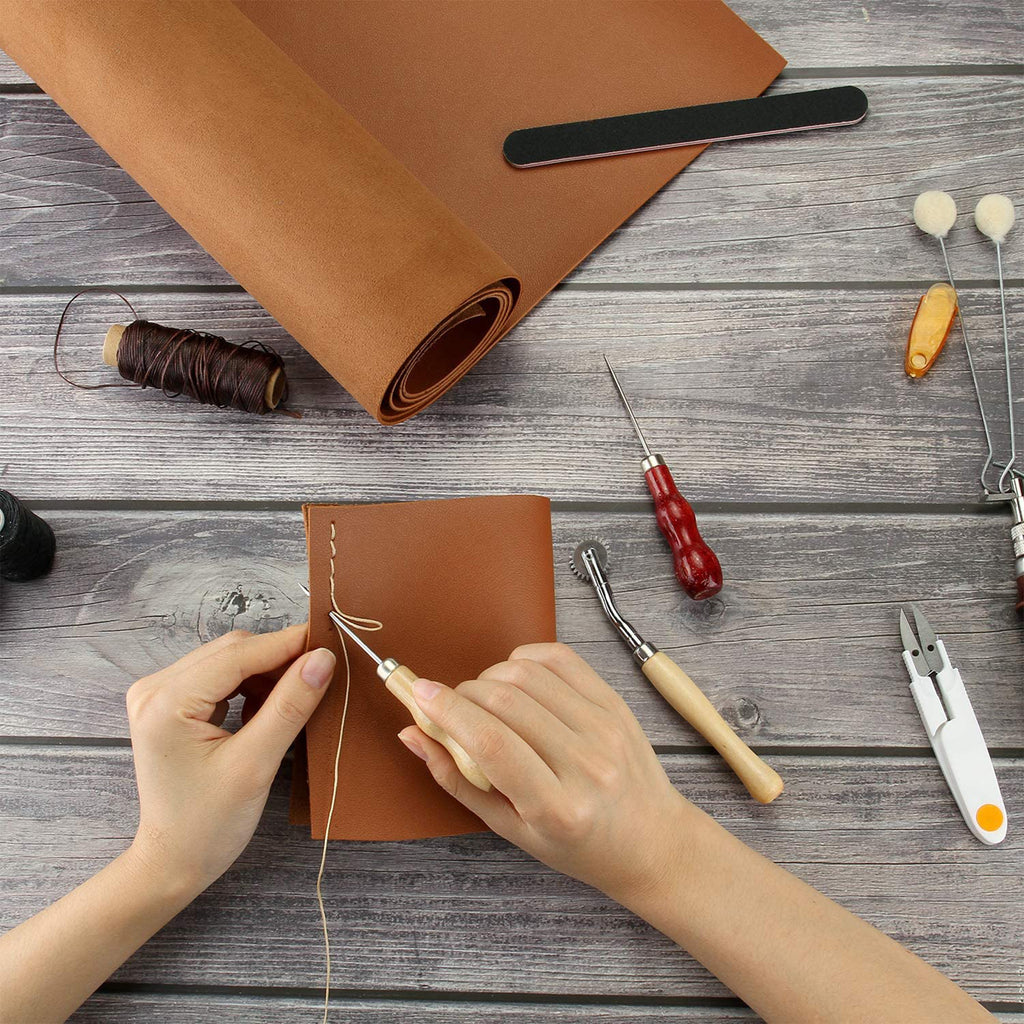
(696, 565)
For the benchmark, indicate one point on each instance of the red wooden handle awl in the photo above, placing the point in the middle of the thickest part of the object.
(697, 567)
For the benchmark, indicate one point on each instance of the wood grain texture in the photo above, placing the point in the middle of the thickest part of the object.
(175, 1008)
(764, 396)
(801, 648)
(818, 206)
(786, 394)
(891, 33)
(475, 915)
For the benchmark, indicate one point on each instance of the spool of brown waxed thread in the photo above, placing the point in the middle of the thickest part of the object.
(273, 392)
(207, 368)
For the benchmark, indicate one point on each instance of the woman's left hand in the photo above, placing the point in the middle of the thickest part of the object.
(202, 789)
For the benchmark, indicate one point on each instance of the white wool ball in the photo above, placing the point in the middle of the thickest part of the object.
(994, 217)
(935, 213)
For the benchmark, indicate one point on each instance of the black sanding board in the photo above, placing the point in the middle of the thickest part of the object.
(685, 126)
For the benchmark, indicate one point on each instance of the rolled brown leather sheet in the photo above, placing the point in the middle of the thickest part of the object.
(343, 160)
(458, 584)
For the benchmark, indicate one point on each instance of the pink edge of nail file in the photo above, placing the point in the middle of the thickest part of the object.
(685, 126)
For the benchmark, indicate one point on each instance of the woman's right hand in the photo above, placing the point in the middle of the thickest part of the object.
(576, 783)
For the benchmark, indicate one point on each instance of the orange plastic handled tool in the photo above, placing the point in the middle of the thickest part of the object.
(932, 323)
(696, 565)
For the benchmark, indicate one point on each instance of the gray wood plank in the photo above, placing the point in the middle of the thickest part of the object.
(763, 396)
(800, 649)
(902, 34)
(820, 206)
(896, 33)
(474, 915)
(129, 1007)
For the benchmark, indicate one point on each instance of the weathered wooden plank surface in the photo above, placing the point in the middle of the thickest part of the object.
(901, 34)
(475, 915)
(820, 206)
(175, 1008)
(801, 648)
(764, 396)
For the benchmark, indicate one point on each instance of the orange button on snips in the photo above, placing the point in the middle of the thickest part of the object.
(989, 817)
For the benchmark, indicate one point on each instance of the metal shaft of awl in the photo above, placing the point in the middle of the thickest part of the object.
(629, 408)
(351, 634)
(347, 630)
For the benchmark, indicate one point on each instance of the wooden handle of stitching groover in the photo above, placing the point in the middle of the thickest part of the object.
(400, 684)
(762, 781)
(112, 342)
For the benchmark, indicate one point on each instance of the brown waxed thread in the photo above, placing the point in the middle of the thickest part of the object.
(180, 361)
(205, 367)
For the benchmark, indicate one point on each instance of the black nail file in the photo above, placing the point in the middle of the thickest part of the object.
(686, 126)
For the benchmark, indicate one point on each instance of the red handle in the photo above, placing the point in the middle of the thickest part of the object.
(697, 567)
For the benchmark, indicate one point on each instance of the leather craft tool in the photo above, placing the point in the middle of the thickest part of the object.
(953, 730)
(935, 214)
(1017, 538)
(685, 126)
(696, 565)
(994, 217)
(399, 680)
(931, 326)
(589, 563)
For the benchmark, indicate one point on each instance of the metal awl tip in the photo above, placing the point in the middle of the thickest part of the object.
(629, 408)
(347, 630)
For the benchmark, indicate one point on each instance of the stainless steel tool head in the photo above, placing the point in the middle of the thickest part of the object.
(578, 565)
(928, 639)
(912, 645)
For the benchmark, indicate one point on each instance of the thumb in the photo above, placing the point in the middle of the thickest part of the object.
(288, 707)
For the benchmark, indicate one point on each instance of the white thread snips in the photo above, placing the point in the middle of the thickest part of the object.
(953, 730)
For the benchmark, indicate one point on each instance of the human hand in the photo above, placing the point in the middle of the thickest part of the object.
(577, 784)
(202, 789)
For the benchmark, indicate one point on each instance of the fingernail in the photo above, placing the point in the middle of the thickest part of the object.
(412, 745)
(319, 668)
(425, 689)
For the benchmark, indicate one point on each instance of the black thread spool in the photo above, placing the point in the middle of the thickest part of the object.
(265, 387)
(27, 543)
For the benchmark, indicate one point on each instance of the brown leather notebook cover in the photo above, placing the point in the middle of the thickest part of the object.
(342, 160)
(458, 584)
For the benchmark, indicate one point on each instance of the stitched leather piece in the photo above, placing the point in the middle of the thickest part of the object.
(458, 584)
(343, 161)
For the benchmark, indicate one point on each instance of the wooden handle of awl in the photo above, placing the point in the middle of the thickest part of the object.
(762, 781)
(697, 567)
(400, 684)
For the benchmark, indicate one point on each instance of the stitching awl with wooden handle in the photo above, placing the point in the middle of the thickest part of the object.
(399, 680)
(696, 566)
(589, 562)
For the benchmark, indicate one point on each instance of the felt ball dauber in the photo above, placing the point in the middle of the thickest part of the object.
(935, 214)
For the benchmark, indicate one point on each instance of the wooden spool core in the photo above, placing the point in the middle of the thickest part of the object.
(112, 342)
